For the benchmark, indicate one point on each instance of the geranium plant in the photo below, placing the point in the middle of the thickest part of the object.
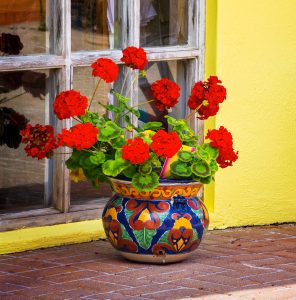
(101, 148)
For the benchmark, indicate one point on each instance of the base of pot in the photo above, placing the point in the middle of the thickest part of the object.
(155, 259)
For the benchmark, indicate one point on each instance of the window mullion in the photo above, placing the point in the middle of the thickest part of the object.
(61, 180)
(133, 39)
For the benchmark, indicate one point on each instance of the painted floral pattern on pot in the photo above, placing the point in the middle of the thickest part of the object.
(157, 226)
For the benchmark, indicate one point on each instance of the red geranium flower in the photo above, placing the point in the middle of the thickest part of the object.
(206, 96)
(222, 140)
(165, 144)
(69, 104)
(166, 93)
(134, 58)
(106, 69)
(80, 136)
(136, 151)
(40, 140)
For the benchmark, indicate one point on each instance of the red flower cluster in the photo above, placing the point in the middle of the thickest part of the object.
(134, 58)
(69, 104)
(80, 136)
(40, 140)
(222, 140)
(136, 151)
(166, 93)
(211, 91)
(106, 69)
(165, 144)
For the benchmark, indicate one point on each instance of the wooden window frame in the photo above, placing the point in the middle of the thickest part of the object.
(61, 61)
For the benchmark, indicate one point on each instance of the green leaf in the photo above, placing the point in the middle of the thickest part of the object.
(109, 131)
(125, 235)
(121, 98)
(145, 183)
(72, 163)
(84, 160)
(201, 169)
(114, 167)
(185, 156)
(206, 180)
(180, 169)
(212, 152)
(144, 237)
(213, 166)
(113, 108)
(118, 142)
(153, 126)
(97, 158)
(145, 168)
(130, 171)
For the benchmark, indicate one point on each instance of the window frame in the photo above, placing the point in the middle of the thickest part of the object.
(61, 61)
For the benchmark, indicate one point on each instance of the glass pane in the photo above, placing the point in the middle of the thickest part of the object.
(23, 28)
(95, 24)
(23, 99)
(173, 70)
(163, 22)
(82, 191)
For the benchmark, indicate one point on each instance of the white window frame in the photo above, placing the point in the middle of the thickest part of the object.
(61, 61)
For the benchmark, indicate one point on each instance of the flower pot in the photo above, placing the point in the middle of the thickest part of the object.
(162, 226)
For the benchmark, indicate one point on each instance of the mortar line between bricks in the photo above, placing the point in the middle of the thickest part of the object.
(169, 290)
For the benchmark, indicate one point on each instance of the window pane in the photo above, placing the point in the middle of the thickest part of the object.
(23, 28)
(95, 24)
(23, 99)
(173, 70)
(163, 22)
(82, 191)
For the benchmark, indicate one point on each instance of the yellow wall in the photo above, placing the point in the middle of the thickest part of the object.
(255, 57)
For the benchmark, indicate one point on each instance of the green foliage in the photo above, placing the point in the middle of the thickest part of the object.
(153, 126)
(180, 169)
(201, 169)
(145, 183)
(145, 168)
(185, 156)
(115, 167)
(130, 171)
(185, 133)
(109, 131)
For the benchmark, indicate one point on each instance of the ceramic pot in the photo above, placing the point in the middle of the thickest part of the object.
(161, 226)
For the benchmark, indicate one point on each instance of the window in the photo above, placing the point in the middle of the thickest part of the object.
(46, 47)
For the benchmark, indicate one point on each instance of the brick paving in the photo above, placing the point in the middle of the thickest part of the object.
(242, 263)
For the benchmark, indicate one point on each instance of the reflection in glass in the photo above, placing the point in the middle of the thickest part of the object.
(163, 22)
(22, 100)
(82, 191)
(23, 28)
(174, 71)
(95, 24)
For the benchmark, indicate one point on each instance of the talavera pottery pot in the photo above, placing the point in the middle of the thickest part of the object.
(162, 226)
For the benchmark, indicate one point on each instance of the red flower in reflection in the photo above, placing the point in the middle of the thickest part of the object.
(166, 93)
(165, 144)
(136, 151)
(206, 96)
(134, 58)
(80, 136)
(69, 104)
(40, 140)
(106, 69)
(222, 140)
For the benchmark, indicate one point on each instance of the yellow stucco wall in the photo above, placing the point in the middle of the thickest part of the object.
(255, 56)
(251, 45)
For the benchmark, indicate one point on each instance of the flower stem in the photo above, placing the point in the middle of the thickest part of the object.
(193, 113)
(141, 104)
(124, 81)
(94, 93)
(79, 121)
(132, 84)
